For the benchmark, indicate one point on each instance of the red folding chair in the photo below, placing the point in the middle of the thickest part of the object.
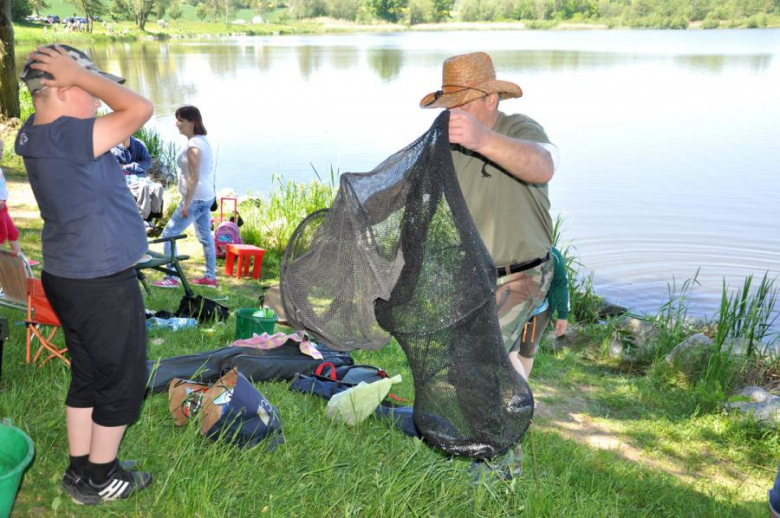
(42, 324)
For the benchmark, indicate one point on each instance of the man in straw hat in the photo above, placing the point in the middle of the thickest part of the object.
(503, 163)
(92, 237)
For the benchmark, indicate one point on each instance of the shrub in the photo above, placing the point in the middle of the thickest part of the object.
(343, 9)
(710, 22)
(421, 11)
(270, 223)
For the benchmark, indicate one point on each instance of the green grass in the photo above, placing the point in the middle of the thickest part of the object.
(328, 469)
(692, 460)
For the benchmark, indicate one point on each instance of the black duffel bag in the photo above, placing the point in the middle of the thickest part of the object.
(203, 309)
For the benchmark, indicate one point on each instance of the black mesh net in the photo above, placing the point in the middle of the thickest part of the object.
(398, 255)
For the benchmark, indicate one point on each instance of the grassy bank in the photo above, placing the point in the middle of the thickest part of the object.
(610, 437)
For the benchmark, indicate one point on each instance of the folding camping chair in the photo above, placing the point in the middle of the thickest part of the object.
(167, 264)
(42, 324)
(22, 291)
(14, 272)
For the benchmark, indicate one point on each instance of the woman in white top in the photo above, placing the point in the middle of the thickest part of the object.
(196, 186)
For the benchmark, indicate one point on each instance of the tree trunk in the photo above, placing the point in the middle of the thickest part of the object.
(9, 84)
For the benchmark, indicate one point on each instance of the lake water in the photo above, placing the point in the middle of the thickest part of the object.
(670, 140)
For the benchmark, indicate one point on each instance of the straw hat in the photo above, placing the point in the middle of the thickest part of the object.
(466, 78)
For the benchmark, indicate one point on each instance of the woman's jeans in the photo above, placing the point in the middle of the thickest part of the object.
(200, 214)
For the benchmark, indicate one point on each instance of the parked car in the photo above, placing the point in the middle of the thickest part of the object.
(82, 21)
(52, 18)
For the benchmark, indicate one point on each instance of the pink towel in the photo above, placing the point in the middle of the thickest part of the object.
(266, 341)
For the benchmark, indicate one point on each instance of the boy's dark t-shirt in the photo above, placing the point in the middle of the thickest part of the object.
(92, 227)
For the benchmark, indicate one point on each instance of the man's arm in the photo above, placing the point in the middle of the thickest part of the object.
(130, 110)
(525, 160)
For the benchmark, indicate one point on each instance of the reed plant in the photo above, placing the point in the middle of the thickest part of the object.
(270, 222)
(672, 320)
(745, 318)
(747, 314)
(164, 153)
(584, 302)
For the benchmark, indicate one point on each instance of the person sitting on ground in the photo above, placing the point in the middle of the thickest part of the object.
(133, 156)
(8, 230)
(92, 237)
(135, 160)
(557, 301)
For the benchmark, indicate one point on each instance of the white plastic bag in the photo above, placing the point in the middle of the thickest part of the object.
(354, 405)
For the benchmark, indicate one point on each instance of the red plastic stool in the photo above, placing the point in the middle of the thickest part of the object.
(245, 253)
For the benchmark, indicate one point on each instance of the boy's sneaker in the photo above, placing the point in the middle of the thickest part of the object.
(69, 481)
(70, 478)
(120, 484)
(166, 282)
(205, 281)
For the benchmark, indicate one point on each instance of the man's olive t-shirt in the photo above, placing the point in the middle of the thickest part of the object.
(512, 216)
(91, 224)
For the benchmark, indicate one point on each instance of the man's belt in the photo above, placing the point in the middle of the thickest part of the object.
(521, 267)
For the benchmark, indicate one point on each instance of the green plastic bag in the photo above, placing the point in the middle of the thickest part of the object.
(356, 404)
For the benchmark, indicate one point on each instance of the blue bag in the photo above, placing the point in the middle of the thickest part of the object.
(236, 412)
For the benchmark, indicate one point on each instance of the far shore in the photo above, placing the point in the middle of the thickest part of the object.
(32, 33)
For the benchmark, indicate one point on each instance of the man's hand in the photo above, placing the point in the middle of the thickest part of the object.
(560, 327)
(467, 131)
(185, 210)
(60, 64)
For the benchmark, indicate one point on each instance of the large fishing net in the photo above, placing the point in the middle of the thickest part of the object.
(398, 255)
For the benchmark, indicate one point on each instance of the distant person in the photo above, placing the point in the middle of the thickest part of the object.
(8, 231)
(556, 303)
(196, 186)
(132, 156)
(92, 237)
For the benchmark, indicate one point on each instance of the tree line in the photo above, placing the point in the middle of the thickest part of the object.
(541, 13)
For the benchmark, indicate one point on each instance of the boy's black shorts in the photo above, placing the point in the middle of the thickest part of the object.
(105, 331)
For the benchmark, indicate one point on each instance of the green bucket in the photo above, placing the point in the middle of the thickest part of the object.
(247, 324)
(16, 452)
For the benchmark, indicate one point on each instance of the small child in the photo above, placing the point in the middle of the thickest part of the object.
(92, 237)
(557, 300)
(8, 230)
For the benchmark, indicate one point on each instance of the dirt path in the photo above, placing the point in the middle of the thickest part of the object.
(569, 416)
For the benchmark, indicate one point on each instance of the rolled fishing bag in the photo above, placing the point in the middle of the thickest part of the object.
(203, 309)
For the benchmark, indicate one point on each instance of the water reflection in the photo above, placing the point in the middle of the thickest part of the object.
(756, 63)
(387, 63)
(310, 59)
